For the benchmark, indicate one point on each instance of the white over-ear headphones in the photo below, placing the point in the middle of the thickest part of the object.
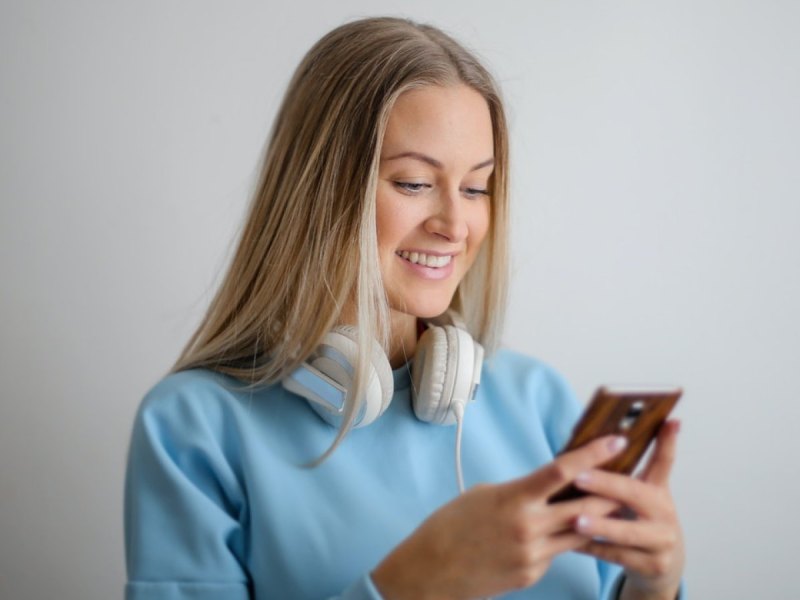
(445, 373)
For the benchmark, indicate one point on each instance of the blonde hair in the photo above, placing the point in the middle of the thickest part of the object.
(309, 244)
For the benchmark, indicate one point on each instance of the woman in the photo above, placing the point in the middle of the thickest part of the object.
(378, 236)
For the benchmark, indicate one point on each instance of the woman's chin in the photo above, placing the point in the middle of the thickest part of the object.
(423, 310)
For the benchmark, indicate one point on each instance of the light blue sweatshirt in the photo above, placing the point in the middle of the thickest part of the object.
(218, 504)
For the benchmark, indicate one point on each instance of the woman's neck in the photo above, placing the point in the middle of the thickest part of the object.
(403, 341)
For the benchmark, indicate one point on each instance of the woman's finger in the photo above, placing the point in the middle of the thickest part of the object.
(555, 518)
(564, 542)
(659, 467)
(644, 498)
(630, 558)
(659, 570)
(649, 536)
(546, 481)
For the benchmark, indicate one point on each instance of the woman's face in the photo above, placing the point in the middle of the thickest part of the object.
(432, 196)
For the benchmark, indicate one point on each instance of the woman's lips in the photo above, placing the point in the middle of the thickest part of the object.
(417, 263)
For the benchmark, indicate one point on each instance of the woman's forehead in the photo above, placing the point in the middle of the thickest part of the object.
(443, 123)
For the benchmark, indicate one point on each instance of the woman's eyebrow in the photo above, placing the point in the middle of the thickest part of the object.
(433, 162)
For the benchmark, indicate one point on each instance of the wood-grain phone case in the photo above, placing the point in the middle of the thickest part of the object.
(636, 414)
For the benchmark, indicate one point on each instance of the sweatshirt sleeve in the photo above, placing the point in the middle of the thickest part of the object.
(185, 506)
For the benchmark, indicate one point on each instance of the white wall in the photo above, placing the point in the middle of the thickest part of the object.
(656, 212)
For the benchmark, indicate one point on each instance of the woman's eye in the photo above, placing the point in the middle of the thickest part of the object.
(411, 187)
(474, 192)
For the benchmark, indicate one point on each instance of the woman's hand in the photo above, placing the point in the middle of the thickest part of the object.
(496, 538)
(650, 547)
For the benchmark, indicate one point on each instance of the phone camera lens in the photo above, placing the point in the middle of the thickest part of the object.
(635, 409)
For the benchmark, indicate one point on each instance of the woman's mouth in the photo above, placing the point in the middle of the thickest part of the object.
(426, 260)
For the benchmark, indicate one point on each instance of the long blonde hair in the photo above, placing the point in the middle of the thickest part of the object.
(309, 245)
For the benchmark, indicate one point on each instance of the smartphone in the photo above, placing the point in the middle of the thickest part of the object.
(634, 412)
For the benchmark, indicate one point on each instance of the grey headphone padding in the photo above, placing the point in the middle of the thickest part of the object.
(344, 338)
(428, 371)
(442, 373)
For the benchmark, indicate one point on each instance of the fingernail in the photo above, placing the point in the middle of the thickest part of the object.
(583, 478)
(582, 523)
(677, 427)
(617, 443)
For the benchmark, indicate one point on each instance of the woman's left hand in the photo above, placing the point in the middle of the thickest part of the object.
(649, 547)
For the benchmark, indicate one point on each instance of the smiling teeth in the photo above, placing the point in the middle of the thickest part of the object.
(426, 260)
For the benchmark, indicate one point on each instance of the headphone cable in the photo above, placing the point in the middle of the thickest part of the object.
(458, 409)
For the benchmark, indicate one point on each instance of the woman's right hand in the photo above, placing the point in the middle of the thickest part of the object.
(496, 538)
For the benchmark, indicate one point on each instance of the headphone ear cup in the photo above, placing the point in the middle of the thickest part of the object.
(443, 373)
(428, 374)
(327, 375)
(380, 380)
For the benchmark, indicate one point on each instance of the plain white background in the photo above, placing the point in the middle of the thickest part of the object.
(656, 223)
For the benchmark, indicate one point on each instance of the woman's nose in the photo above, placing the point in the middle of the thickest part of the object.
(449, 219)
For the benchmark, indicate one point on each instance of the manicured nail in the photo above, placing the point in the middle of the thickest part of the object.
(617, 443)
(582, 523)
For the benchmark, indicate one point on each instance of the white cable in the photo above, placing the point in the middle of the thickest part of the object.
(458, 409)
